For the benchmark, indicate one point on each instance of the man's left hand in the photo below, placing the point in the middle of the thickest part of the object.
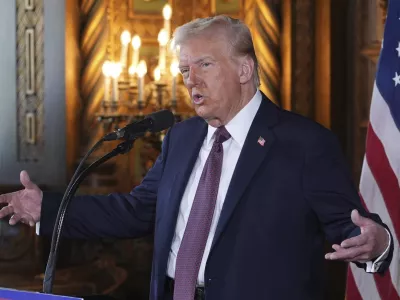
(369, 245)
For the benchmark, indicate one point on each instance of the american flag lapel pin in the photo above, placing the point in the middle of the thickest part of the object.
(261, 141)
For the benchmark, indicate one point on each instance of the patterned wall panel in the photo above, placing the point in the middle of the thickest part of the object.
(303, 39)
(263, 18)
(30, 79)
(94, 33)
(367, 19)
(201, 9)
(184, 13)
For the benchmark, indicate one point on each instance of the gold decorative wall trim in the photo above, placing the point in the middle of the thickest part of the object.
(286, 54)
(184, 13)
(202, 9)
(233, 13)
(373, 49)
(30, 79)
(323, 59)
(93, 50)
(134, 15)
(303, 64)
(262, 16)
(384, 5)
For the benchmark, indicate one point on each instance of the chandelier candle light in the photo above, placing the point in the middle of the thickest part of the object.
(128, 93)
(125, 39)
(141, 72)
(125, 79)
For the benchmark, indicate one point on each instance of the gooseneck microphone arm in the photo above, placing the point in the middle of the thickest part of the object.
(155, 122)
(50, 267)
(49, 275)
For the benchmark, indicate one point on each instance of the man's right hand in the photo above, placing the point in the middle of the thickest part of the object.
(24, 205)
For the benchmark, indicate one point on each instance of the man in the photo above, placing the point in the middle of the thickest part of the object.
(241, 197)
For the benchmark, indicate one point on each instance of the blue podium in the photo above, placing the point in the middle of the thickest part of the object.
(9, 294)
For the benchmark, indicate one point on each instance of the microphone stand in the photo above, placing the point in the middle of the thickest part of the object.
(49, 275)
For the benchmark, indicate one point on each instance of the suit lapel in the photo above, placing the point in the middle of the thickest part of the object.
(252, 155)
(185, 156)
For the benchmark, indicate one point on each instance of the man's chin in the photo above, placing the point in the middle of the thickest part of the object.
(209, 118)
(202, 111)
(206, 115)
(214, 122)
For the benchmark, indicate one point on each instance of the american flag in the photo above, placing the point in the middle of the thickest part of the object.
(261, 141)
(380, 176)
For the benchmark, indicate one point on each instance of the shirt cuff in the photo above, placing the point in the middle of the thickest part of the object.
(38, 228)
(373, 266)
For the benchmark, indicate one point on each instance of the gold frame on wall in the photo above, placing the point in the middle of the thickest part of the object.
(373, 50)
(234, 15)
(141, 16)
(384, 5)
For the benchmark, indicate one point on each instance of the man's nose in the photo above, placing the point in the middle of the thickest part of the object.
(192, 79)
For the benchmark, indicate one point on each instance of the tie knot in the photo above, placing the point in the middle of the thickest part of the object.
(222, 135)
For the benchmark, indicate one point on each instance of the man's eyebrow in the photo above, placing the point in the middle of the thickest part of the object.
(196, 61)
(200, 59)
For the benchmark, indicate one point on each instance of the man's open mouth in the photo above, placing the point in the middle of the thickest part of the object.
(197, 98)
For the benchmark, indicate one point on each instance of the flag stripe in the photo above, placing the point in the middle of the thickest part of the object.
(385, 287)
(351, 289)
(384, 177)
(386, 129)
(365, 283)
(369, 287)
(376, 203)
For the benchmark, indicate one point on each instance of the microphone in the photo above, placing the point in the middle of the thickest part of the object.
(154, 122)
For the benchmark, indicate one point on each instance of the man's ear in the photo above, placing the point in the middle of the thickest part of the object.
(246, 69)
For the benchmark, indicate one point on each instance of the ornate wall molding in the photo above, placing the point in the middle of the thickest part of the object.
(267, 41)
(94, 34)
(373, 48)
(202, 9)
(132, 14)
(384, 5)
(184, 14)
(365, 50)
(303, 40)
(30, 79)
(262, 16)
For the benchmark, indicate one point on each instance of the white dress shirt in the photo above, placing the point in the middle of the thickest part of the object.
(238, 128)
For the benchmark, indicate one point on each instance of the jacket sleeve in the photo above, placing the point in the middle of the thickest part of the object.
(331, 193)
(110, 216)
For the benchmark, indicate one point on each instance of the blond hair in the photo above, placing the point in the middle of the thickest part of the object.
(239, 36)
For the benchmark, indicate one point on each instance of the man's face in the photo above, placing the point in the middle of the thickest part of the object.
(211, 77)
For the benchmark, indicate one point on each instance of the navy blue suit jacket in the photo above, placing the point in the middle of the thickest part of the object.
(284, 199)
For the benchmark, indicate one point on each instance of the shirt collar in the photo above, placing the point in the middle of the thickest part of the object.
(239, 126)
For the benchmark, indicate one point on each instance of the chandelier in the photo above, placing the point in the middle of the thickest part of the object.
(127, 95)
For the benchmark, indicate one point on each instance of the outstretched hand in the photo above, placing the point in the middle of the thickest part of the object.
(24, 205)
(370, 244)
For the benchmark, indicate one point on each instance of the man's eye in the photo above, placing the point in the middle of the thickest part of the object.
(184, 71)
(205, 64)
